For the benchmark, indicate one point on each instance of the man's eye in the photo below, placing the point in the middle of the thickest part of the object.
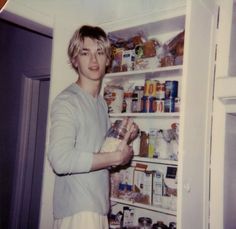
(101, 53)
(84, 53)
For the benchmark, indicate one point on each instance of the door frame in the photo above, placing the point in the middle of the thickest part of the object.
(26, 144)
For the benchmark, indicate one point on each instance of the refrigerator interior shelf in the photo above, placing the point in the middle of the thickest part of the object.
(155, 160)
(144, 72)
(144, 206)
(147, 115)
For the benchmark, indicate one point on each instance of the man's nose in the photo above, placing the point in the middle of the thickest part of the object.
(94, 57)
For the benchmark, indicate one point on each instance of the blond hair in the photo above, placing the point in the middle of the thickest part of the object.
(94, 33)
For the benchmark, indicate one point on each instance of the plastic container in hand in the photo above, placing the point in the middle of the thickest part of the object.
(114, 136)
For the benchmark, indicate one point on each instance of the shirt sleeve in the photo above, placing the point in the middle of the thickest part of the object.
(64, 157)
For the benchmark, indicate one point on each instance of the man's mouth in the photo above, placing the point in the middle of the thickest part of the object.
(94, 68)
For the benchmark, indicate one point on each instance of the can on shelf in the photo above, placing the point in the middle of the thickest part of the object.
(152, 104)
(150, 87)
(160, 103)
(160, 90)
(145, 104)
(169, 105)
(171, 89)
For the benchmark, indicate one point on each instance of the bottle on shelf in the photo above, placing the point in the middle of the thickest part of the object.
(143, 144)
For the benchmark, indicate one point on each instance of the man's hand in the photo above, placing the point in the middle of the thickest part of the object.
(124, 152)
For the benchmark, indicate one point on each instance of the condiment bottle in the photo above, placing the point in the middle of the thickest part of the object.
(143, 144)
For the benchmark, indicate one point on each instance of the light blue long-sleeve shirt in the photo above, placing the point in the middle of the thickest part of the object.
(79, 123)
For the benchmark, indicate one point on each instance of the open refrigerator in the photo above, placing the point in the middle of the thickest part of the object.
(166, 48)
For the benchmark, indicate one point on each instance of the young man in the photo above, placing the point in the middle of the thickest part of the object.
(79, 122)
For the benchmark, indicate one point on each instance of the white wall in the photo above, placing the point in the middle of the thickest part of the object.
(229, 172)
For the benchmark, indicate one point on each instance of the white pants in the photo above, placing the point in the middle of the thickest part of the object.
(82, 220)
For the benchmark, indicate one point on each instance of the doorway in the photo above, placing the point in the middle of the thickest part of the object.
(23, 50)
(30, 147)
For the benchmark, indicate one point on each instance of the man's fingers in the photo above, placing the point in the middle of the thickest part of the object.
(129, 123)
(128, 133)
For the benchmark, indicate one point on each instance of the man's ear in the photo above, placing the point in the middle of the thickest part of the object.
(108, 62)
(74, 62)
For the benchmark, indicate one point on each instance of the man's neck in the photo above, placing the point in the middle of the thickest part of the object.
(92, 87)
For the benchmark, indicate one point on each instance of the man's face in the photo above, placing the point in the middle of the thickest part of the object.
(92, 60)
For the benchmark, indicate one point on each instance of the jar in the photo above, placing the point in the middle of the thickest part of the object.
(144, 222)
(172, 225)
(159, 225)
(115, 135)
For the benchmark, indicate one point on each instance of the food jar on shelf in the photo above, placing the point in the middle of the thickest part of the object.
(145, 222)
(172, 225)
(159, 225)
